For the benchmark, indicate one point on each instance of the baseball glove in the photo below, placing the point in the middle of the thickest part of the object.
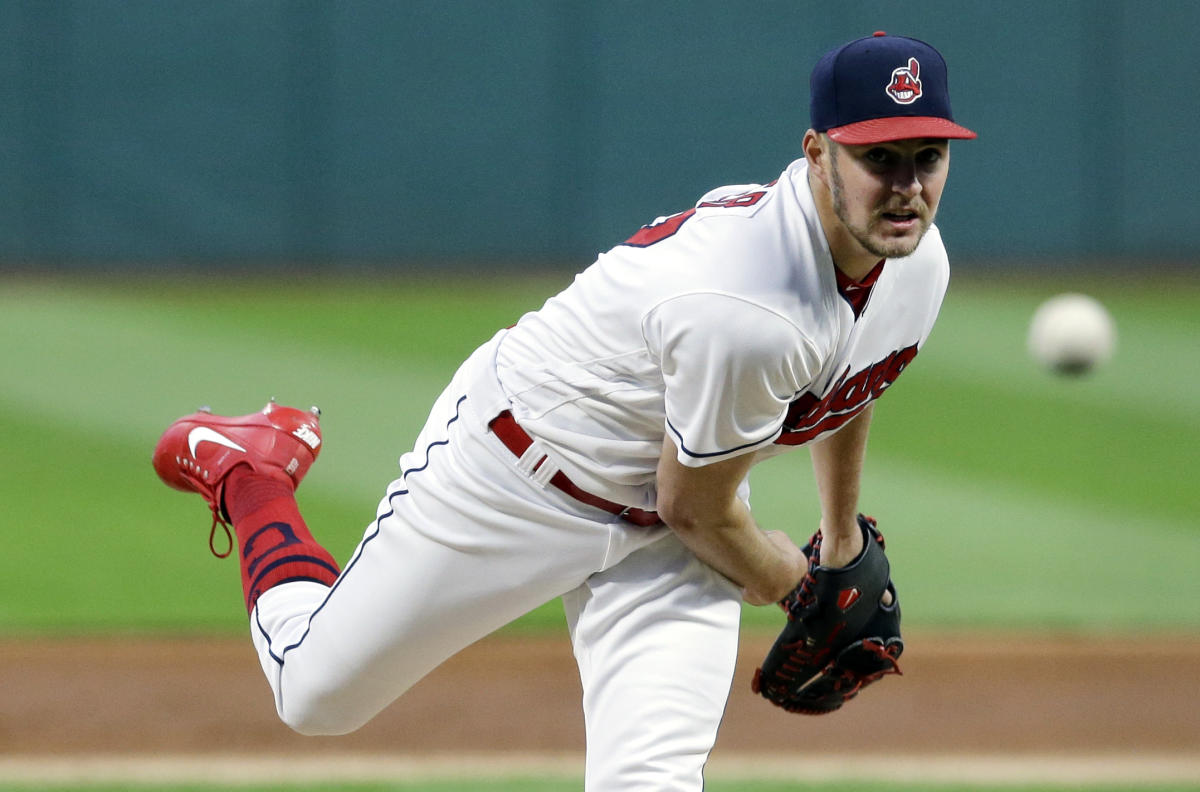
(839, 636)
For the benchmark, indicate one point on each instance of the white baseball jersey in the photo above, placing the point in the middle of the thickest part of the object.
(727, 326)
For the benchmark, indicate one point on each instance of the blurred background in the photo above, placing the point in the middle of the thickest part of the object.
(173, 134)
(334, 202)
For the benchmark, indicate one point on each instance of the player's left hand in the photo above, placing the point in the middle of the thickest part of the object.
(840, 636)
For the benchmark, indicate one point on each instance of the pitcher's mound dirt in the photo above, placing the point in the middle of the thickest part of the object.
(515, 693)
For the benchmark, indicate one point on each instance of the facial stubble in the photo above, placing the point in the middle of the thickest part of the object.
(882, 248)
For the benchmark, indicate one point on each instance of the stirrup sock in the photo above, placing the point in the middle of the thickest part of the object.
(274, 544)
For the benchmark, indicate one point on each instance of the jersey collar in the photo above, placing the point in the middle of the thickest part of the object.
(856, 293)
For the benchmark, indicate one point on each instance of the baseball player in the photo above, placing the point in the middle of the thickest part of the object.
(599, 450)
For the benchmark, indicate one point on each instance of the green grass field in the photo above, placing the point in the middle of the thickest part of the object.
(1011, 498)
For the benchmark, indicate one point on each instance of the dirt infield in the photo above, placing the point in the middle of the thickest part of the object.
(512, 695)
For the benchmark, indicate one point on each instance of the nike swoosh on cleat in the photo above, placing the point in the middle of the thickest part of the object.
(203, 434)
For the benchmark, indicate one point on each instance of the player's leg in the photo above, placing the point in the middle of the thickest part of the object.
(463, 543)
(452, 556)
(656, 641)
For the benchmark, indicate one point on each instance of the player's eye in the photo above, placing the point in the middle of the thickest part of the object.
(878, 156)
(929, 156)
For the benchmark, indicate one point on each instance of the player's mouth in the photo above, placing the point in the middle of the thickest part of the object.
(902, 219)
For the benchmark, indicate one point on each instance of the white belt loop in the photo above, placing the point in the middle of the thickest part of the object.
(535, 464)
(543, 474)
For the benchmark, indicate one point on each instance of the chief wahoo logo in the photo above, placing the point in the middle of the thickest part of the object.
(905, 87)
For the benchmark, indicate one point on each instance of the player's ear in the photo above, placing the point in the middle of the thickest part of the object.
(817, 151)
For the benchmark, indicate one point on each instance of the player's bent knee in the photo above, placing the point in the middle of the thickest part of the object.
(319, 724)
(319, 716)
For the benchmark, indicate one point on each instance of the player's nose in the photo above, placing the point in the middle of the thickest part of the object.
(906, 181)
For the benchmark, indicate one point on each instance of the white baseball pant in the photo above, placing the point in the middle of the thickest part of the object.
(464, 542)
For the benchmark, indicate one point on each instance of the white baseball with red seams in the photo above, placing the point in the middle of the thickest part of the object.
(727, 327)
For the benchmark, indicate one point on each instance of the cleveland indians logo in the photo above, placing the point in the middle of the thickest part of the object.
(810, 415)
(905, 87)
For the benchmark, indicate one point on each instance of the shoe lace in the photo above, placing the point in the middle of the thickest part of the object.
(219, 519)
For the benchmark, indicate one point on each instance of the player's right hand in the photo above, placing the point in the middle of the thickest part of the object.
(791, 555)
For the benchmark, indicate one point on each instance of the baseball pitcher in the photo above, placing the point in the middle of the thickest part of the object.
(599, 451)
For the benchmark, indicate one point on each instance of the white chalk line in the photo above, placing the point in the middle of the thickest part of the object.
(233, 770)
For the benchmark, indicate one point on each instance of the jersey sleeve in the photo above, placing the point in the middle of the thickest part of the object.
(730, 369)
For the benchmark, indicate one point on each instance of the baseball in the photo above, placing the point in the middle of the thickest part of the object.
(1072, 334)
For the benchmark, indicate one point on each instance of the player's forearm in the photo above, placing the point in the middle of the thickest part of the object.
(766, 568)
(837, 465)
(701, 507)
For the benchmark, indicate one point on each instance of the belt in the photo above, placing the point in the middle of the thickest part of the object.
(514, 438)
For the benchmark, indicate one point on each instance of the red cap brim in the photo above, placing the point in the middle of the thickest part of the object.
(883, 130)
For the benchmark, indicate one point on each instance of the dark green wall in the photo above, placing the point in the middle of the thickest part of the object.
(534, 130)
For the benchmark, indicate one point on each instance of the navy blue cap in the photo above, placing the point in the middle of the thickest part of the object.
(882, 88)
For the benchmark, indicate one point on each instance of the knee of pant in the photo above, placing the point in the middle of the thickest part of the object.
(318, 716)
(313, 723)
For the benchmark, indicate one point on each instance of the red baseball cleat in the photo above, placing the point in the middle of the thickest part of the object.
(197, 452)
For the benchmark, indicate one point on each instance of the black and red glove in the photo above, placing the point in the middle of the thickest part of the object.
(839, 636)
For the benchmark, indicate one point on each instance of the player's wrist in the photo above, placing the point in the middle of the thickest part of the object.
(770, 592)
(784, 570)
(841, 542)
